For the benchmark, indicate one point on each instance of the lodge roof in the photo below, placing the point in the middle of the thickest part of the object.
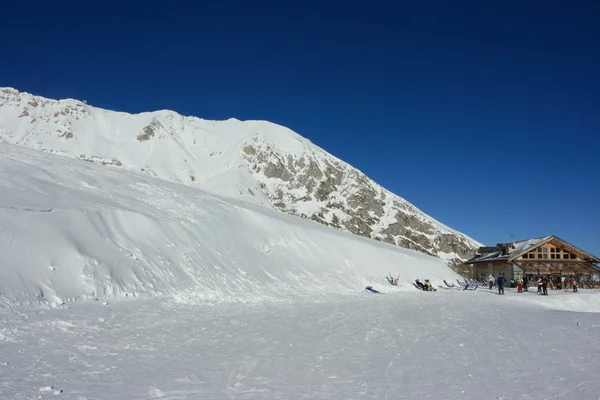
(512, 250)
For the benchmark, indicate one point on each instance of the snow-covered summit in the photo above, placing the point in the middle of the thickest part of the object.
(255, 161)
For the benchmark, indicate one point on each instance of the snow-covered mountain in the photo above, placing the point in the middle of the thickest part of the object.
(241, 300)
(254, 161)
(72, 230)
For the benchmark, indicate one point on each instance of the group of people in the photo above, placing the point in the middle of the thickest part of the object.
(542, 285)
(523, 284)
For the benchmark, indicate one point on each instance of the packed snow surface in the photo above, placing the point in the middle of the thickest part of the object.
(398, 345)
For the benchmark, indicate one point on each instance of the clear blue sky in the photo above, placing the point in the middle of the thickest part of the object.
(487, 117)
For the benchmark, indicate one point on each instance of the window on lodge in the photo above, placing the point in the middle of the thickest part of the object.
(555, 254)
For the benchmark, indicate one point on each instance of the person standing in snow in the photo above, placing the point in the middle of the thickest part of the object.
(500, 282)
(574, 283)
(525, 283)
(491, 281)
(540, 285)
(544, 286)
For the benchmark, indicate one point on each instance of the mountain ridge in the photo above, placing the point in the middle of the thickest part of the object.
(257, 161)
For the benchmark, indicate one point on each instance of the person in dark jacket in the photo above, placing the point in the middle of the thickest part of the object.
(545, 286)
(500, 282)
(525, 283)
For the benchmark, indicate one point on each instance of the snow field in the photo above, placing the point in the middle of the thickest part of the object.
(443, 345)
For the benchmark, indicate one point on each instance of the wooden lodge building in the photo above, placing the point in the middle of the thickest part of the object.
(548, 256)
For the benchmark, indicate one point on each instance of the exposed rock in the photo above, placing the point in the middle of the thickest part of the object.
(149, 130)
(99, 160)
(248, 150)
(353, 202)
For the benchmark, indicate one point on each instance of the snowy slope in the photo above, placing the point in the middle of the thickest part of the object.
(255, 161)
(71, 230)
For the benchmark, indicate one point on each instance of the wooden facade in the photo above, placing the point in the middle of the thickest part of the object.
(549, 256)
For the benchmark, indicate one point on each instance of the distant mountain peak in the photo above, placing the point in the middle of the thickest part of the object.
(255, 161)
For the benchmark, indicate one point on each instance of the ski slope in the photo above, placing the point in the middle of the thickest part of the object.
(72, 230)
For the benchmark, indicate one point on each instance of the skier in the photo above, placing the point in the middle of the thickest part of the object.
(491, 281)
(540, 285)
(574, 283)
(500, 282)
(525, 283)
(420, 285)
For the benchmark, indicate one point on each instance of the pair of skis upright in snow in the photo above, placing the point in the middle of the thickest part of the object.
(392, 281)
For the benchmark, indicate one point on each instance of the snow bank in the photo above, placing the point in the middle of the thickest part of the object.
(586, 300)
(72, 230)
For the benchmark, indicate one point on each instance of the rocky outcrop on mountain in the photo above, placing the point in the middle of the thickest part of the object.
(255, 161)
(333, 193)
